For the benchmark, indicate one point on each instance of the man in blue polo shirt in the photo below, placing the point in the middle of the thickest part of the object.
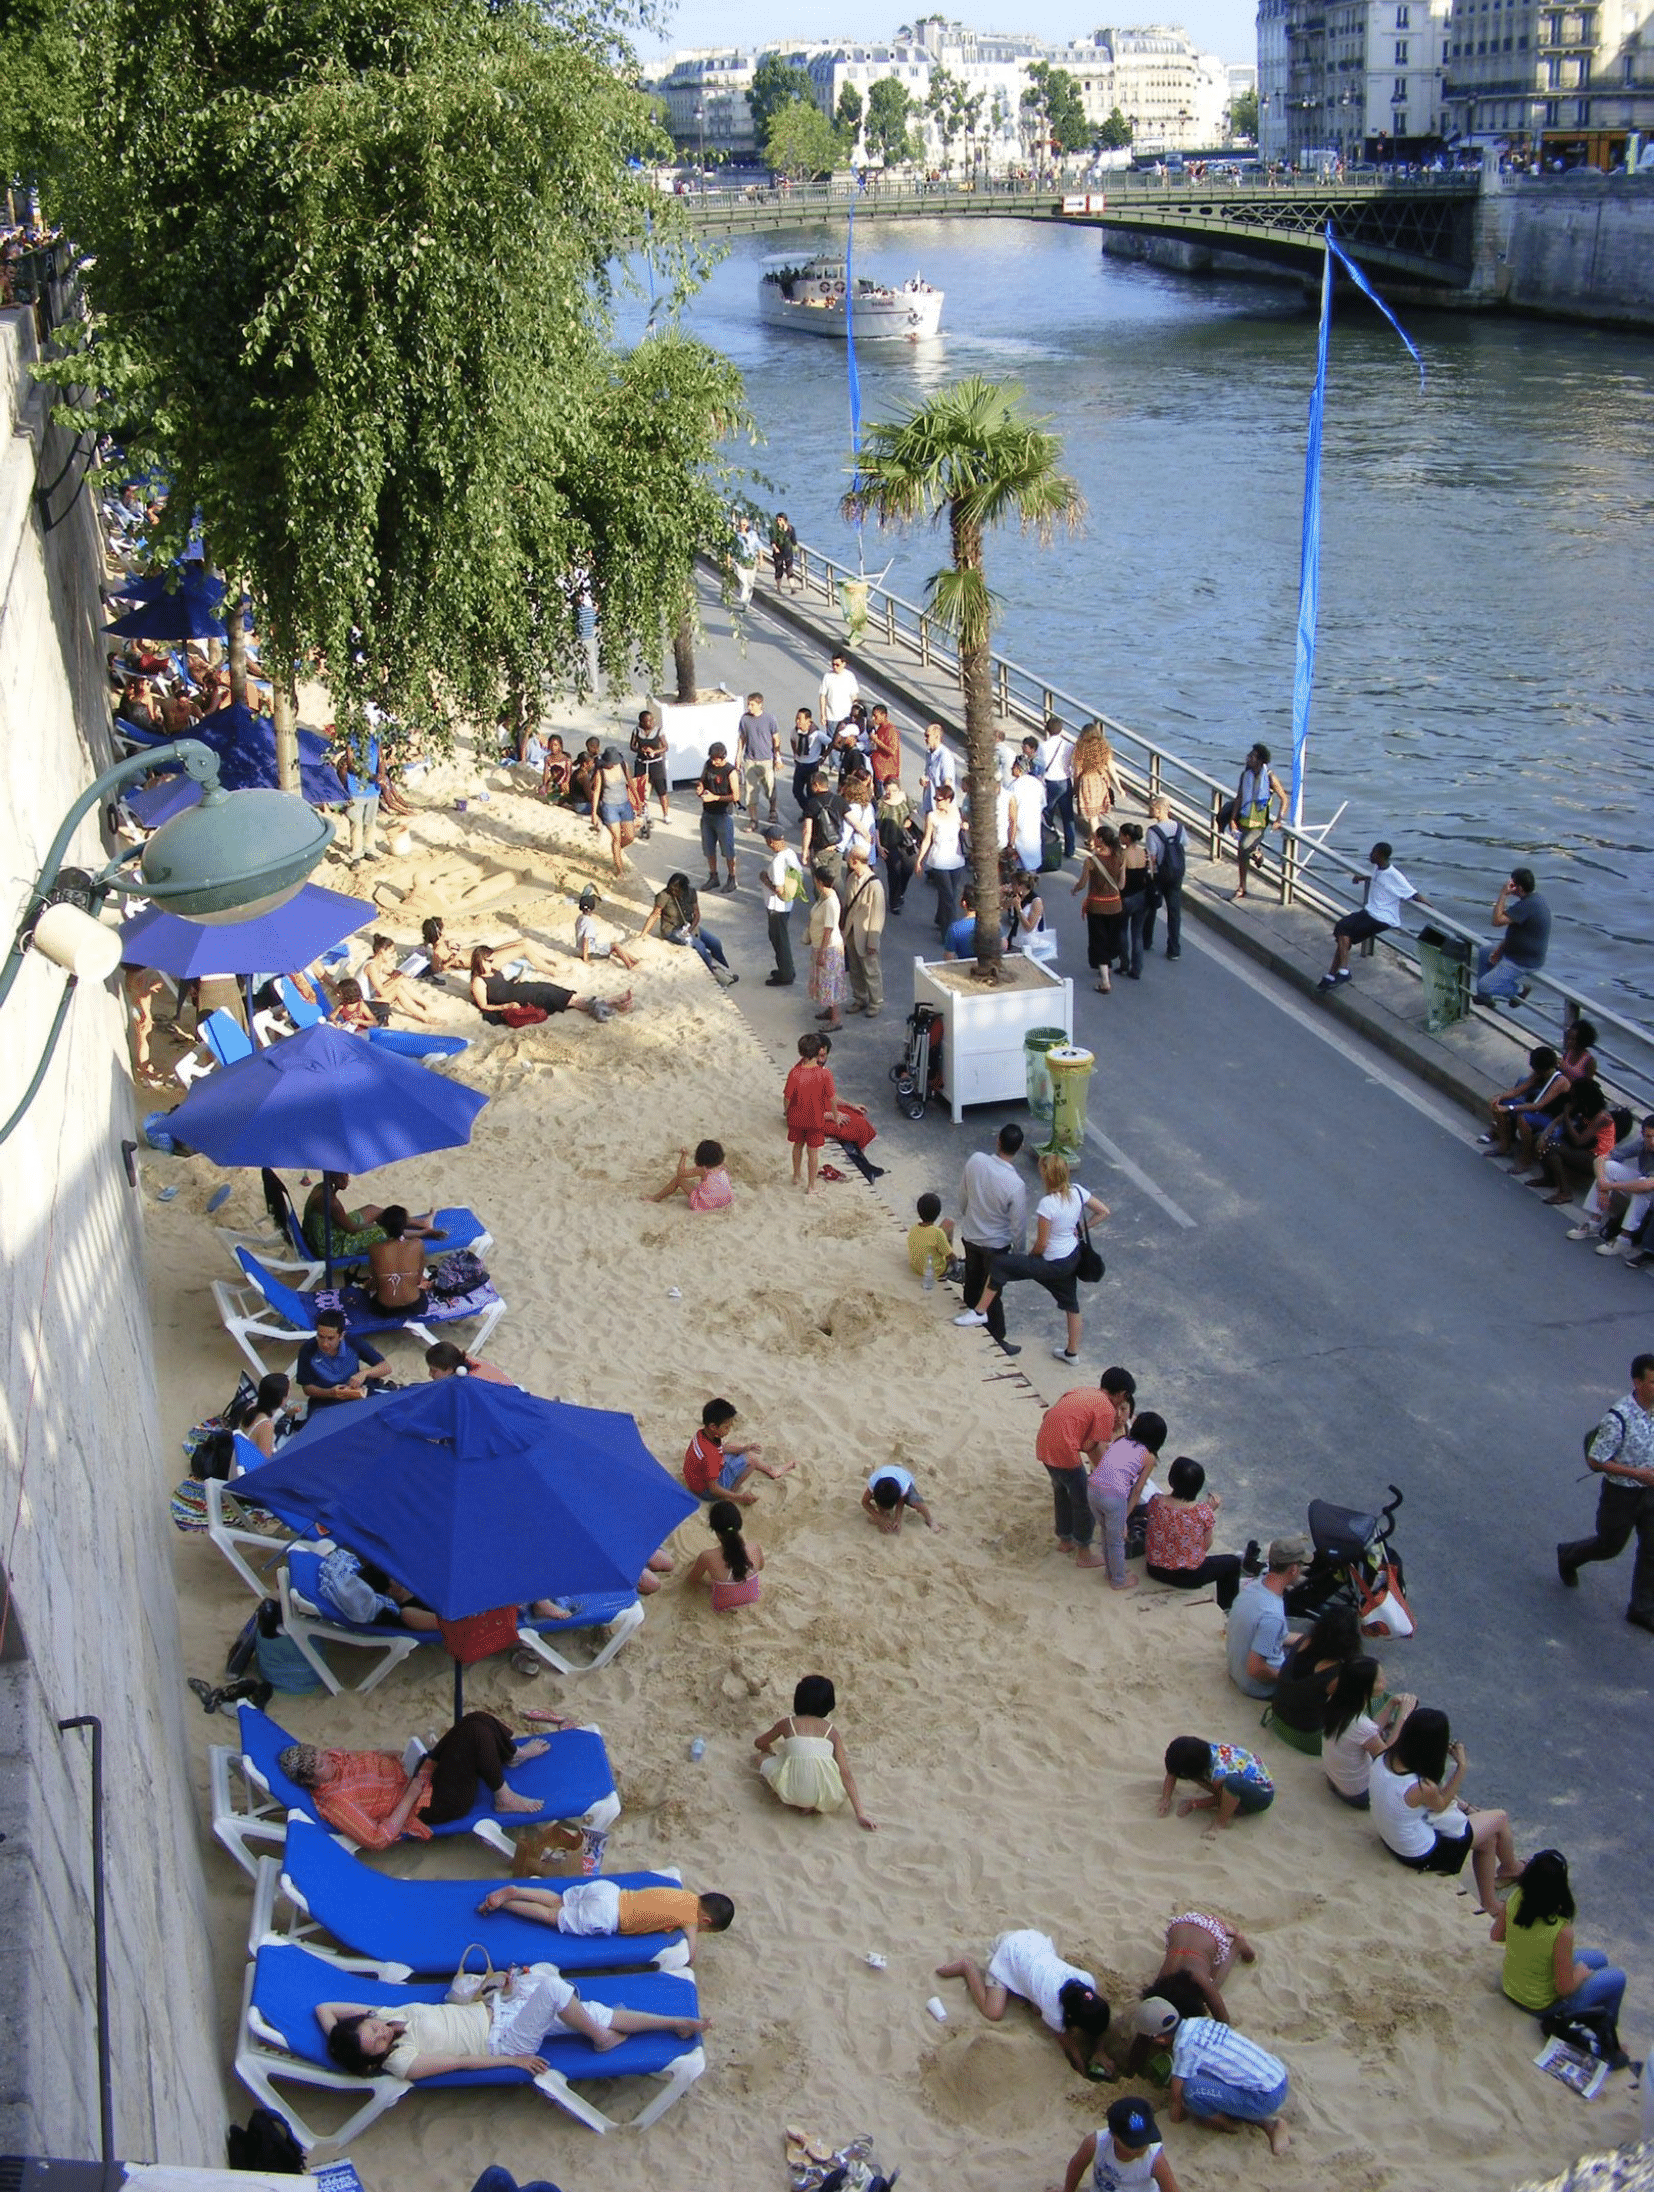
(332, 1368)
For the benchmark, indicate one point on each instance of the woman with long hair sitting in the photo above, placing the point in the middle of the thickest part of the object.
(1544, 1971)
(731, 1566)
(1420, 1821)
(1351, 1736)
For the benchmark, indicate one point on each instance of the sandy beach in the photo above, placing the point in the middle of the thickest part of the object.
(1005, 1715)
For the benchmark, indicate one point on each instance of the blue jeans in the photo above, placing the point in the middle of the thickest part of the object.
(1216, 2097)
(717, 835)
(1604, 1989)
(501, 2180)
(1503, 980)
(1059, 807)
(704, 945)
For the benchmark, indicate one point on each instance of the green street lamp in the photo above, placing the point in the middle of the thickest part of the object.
(231, 858)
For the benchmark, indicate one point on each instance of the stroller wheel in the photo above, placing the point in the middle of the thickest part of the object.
(914, 1106)
(899, 1074)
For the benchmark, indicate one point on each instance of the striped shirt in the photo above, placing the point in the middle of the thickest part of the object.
(1201, 2047)
(367, 1788)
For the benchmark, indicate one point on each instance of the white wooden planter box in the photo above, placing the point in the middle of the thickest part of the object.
(982, 1056)
(690, 728)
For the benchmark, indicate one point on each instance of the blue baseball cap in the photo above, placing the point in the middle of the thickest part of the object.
(1132, 2123)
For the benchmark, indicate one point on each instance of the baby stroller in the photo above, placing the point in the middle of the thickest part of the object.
(1354, 1564)
(918, 1076)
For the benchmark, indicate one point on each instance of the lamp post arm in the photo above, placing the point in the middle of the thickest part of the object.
(199, 761)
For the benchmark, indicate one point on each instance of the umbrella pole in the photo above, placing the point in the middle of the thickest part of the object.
(459, 1691)
(327, 1229)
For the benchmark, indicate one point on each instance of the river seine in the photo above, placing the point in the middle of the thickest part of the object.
(1485, 677)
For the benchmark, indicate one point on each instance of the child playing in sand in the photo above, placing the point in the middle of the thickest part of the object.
(808, 1097)
(588, 1907)
(803, 1759)
(1025, 1967)
(704, 1181)
(586, 940)
(930, 1242)
(890, 1492)
(713, 1463)
(1234, 1780)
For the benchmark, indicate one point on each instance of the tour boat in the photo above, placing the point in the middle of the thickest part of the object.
(810, 295)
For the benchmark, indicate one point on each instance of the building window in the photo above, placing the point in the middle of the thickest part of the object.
(1582, 112)
(1400, 92)
(1401, 53)
(1401, 19)
(1401, 125)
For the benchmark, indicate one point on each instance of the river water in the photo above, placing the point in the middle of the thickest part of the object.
(1485, 676)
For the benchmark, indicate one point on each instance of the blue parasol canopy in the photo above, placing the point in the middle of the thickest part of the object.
(245, 744)
(291, 936)
(326, 1100)
(191, 580)
(476, 1495)
(183, 615)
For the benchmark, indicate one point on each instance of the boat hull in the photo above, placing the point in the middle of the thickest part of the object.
(902, 316)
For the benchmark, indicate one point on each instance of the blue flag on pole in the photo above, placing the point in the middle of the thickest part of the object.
(850, 342)
(1309, 560)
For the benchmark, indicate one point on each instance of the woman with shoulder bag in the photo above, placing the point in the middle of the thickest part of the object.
(1061, 1254)
(1101, 872)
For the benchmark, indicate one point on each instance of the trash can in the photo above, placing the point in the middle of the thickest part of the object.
(1444, 962)
(1070, 1069)
(1036, 1045)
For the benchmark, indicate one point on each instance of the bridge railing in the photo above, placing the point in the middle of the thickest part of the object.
(1007, 193)
(1298, 867)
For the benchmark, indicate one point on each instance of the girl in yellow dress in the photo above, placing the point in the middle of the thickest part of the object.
(803, 1759)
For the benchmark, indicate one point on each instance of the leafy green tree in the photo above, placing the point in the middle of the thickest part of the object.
(888, 136)
(953, 107)
(1053, 101)
(802, 142)
(351, 290)
(775, 84)
(847, 114)
(973, 458)
(1115, 133)
(1243, 115)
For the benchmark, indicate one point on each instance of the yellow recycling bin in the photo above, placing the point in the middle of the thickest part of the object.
(1070, 1069)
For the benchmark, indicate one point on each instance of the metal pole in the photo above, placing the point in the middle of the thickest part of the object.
(100, 1949)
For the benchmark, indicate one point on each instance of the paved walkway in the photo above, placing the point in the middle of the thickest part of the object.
(1325, 1290)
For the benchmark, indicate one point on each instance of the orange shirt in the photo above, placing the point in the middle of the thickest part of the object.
(1080, 1419)
(659, 1910)
(369, 1787)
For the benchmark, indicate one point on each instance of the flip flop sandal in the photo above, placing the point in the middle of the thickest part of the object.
(830, 1172)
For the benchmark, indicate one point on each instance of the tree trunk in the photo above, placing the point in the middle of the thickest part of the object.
(236, 623)
(286, 702)
(976, 680)
(683, 659)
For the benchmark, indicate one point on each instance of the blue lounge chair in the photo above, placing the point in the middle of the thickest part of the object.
(411, 1043)
(251, 1313)
(297, 1006)
(457, 1226)
(226, 1042)
(280, 2039)
(310, 1625)
(426, 1925)
(252, 1799)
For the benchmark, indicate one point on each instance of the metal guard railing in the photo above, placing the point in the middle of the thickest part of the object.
(1624, 1048)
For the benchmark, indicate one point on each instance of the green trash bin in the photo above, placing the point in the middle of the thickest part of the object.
(1070, 1069)
(1444, 962)
(1036, 1045)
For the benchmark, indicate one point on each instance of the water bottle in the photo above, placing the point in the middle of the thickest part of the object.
(697, 1749)
(930, 1276)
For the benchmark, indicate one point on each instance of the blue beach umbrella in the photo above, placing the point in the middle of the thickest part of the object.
(183, 615)
(191, 580)
(245, 744)
(309, 924)
(159, 802)
(478, 1495)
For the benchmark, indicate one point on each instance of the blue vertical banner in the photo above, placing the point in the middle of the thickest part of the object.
(850, 343)
(1309, 559)
(1309, 555)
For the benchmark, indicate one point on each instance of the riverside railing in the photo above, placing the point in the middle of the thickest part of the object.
(1299, 867)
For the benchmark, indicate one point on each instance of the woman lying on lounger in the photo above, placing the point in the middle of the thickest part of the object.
(433, 2039)
(370, 1795)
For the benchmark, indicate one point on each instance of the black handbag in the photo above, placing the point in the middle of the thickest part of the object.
(1090, 1267)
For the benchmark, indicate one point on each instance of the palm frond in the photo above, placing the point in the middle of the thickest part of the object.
(962, 604)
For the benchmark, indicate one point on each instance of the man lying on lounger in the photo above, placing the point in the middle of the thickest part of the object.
(599, 1906)
(434, 2039)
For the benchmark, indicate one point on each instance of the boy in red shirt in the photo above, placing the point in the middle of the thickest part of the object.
(809, 1099)
(713, 1465)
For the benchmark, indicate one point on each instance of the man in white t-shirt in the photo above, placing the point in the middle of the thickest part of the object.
(839, 688)
(1056, 759)
(1388, 890)
(939, 769)
(783, 877)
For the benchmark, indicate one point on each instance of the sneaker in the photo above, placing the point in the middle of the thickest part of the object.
(1582, 1232)
(1484, 1141)
(970, 1316)
(1326, 982)
(1618, 1246)
(1062, 1355)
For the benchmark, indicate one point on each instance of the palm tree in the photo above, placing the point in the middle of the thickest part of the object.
(973, 456)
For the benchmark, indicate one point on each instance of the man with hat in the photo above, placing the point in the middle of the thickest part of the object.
(1126, 2153)
(1255, 1639)
(1219, 2077)
(783, 888)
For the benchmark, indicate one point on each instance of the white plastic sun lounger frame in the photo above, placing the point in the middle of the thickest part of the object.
(247, 1315)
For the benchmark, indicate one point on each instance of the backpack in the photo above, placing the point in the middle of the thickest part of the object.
(459, 1272)
(1592, 2032)
(265, 2144)
(1051, 849)
(1173, 862)
(1590, 1437)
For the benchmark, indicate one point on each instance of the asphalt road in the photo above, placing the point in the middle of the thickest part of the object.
(1325, 1290)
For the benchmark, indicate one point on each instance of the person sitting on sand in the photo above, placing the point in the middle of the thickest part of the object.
(1234, 1780)
(890, 1492)
(1414, 1807)
(1308, 1672)
(704, 1181)
(445, 1360)
(391, 986)
(330, 1225)
(396, 1267)
(1178, 1543)
(1351, 1738)
(372, 1798)
(492, 989)
(1127, 2152)
(1025, 1964)
(1203, 1949)
(713, 1462)
(1220, 2078)
(731, 1566)
(930, 1242)
(595, 1907)
(443, 958)
(803, 1759)
(434, 2039)
(588, 944)
(1543, 1971)
(676, 912)
(355, 1010)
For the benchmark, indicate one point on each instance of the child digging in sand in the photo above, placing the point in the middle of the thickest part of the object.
(713, 1463)
(1234, 1780)
(808, 1098)
(704, 1180)
(890, 1493)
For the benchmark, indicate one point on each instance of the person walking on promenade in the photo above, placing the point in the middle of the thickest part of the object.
(1167, 845)
(743, 550)
(1056, 756)
(758, 749)
(993, 1209)
(1253, 812)
(1524, 920)
(885, 748)
(864, 908)
(839, 688)
(1388, 890)
(1622, 1454)
(939, 770)
(1096, 782)
(783, 549)
(784, 887)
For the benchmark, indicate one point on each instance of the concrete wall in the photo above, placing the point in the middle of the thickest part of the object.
(84, 1525)
(1577, 246)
